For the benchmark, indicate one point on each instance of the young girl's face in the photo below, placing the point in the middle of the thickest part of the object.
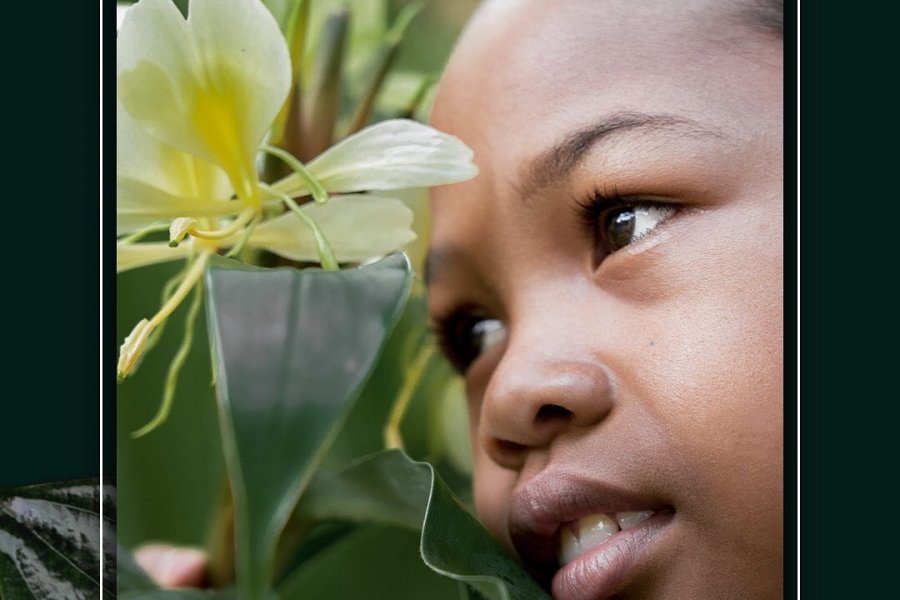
(611, 286)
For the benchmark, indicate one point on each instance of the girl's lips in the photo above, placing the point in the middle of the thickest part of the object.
(552, 499)
(605, 569)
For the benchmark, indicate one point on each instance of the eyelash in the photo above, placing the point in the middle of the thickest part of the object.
(456, 343)
(595, 213)
(456, 333)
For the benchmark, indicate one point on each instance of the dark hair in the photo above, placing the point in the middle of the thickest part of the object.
(766, 16)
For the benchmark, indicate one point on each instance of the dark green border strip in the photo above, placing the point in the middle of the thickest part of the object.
(110, 343)
(49, 412)
(848, 310)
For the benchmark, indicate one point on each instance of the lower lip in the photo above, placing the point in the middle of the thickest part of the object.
(604, 570)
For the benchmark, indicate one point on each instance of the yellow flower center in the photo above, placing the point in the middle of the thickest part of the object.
(215, 122)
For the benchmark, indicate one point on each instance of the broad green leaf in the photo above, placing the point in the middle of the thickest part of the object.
(390, 487)
(50, 544)
(292, 349)
(130, 578)
(363, 431)
(374, 561)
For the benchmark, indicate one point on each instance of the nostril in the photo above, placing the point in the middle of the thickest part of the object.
(549, 419)
(509, 448)
(552, 412)
(507, 454)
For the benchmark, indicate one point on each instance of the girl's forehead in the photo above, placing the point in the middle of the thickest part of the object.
(526, 61)
(526, 73)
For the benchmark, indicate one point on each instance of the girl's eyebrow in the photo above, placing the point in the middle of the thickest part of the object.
(556, 163)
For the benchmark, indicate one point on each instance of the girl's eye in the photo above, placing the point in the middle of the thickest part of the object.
(465, 337)
(627, 224)
(615, 222)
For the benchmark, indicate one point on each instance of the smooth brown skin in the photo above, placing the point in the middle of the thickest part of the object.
(668, 353)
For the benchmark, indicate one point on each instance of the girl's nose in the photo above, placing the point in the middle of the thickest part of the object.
(538, 391)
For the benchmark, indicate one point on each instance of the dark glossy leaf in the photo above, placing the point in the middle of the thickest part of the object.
(390, 487)
(293, 348)
(50, 542)
(363, 431)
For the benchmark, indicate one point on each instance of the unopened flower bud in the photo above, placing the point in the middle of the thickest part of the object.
(132, 348)
(179, 228)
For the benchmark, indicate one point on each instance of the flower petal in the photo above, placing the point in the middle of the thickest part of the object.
(141, 157)
(210, 86)
(139, 205)
(154, 58)
(358, 227)
(132, 256)
(393, 154)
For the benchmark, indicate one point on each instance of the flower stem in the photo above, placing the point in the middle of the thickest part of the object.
(175, 366)
(326, 254)
(168, 290)
(319, 194)
(239, 247)
(392, 437)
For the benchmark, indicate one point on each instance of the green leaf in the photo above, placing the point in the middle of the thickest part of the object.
(382, 562)
(325, 87)
(363, 431)
(180, 594)
(168, 481)
(293, 348)
(382, 59)
(50, 546)
(130, 578)
(389, 487)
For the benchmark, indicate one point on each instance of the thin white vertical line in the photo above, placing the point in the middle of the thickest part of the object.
(100, 148)
(799, 342)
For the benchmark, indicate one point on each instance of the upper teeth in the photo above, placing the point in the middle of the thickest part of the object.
(589, 532)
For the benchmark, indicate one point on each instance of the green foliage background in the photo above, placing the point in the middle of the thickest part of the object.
(169, 481)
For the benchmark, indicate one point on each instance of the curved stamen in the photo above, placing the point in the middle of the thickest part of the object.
(190, 278)
(233, 227)
(248, 231)
(319, 194)
(323, 248)
(136, 343)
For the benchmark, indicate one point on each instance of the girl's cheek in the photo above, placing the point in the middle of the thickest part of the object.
(493, 489)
